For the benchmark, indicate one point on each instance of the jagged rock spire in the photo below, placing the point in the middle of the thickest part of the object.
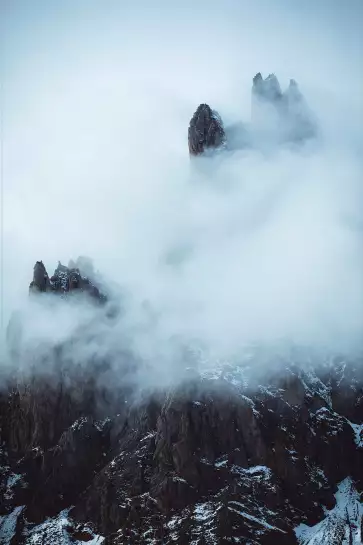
(40, 282)
(65, 279)
(205, 130)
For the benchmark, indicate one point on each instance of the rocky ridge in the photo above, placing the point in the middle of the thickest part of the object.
(65, 280)
(231, 454)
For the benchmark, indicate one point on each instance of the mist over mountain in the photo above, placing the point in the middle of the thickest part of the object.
(181, 356)
(95, 163)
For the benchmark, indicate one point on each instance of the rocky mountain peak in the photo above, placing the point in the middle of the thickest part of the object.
(65, 279)
(205, 130)
(264, 450)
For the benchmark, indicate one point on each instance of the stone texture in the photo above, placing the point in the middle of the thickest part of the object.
(65, 280)
(205, 130)
(207, 461)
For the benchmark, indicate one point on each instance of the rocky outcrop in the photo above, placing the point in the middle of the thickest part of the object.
(205, 130)
(64, 280)
(40, 280)
(281, 117)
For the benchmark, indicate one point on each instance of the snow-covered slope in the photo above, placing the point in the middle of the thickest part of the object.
(341, 525)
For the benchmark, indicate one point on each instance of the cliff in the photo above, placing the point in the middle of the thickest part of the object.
(231, 454)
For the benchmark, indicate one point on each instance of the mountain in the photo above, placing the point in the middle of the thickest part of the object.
(265, 448)
(231, 454)
(282, 118)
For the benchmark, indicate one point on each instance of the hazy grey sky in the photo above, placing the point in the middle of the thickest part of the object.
(96, 102)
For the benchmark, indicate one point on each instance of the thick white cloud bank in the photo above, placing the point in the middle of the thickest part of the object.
(249, 246)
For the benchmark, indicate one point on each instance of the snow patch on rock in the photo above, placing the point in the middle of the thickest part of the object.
(342, 524)
(358, 433)
(8, 526)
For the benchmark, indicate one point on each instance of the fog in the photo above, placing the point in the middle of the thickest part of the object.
(250, 246)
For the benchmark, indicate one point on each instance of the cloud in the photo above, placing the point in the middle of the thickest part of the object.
(247, 246)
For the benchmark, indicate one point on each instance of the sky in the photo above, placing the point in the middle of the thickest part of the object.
(96, 101)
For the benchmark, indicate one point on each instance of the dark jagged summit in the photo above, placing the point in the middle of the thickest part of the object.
(205, 130)
(40, 280)
(285, 115)
(64, 280)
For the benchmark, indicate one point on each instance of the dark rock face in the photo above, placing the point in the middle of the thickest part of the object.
(217, 459)
(228, 456)
(205, 130)
(64, 280)
(40, 280)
